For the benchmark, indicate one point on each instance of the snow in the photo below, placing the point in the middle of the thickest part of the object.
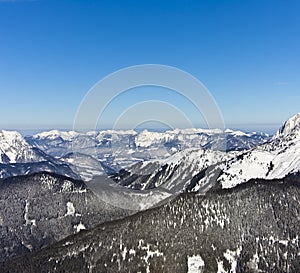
(123, 253)
(28, 246)
(284, 242)
(65, 135)
(147, 138)
(26, 216)
(230, 256)
(220, 267)
(70, 209)
(67, 243)
(132, 252)
(237, 133)
(15, 148)
(273, 160)
(290, 125)
(255, 165)
(195, 264)
(149, 254)
(79, 227)
(84, 165)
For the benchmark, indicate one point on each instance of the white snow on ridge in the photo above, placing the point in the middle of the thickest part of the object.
(66, 135)
(10, 143)
(237, 133)
(289, 126)
(272, 160)
(15, 149)
(147, 138)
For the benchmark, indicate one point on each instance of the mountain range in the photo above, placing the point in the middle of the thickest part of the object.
(120, 149)
(193, 169)
(202, 209)
(85, 155)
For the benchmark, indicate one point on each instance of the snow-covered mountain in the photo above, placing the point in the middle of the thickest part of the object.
(17, 157)
(119, 149)
(174, 173)
(175, 234)
(200, 169)
(272, 160)
(15, 149)
(94, 153)
(180, 139)
(290, 127)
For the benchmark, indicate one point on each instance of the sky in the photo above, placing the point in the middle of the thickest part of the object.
(52, 52)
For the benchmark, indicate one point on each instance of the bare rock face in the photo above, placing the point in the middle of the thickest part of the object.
(253, 227)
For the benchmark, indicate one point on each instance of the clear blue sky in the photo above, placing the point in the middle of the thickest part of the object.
(247, 53)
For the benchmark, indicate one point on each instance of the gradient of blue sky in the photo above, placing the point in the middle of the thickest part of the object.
(52, 51)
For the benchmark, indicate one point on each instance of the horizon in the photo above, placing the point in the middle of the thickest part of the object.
(270, 129)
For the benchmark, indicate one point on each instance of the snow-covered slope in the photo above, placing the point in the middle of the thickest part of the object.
(290, 127)
(14, 149)
(85, 166)
(174, 173)
(275, 159)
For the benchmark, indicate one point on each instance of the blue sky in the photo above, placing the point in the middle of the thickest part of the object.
(53, 51)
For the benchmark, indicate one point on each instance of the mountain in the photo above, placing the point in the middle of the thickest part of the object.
(290, 127)
(276, 159)
(215, 211)
(18, 157)
(59, 143)
(40, 209)
(250, 228)
(86, 166)
(179, 139)
(174, 173)
(201, 169)
(14, 149)
(16, 169)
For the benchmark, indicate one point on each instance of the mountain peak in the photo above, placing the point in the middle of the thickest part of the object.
(53, 134)
(289, 126)
(10, 139)
(15, 149)
(10, 136)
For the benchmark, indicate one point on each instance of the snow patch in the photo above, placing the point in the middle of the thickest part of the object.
(195, 264)
(70, 209)
(26, 216)
(79, 227)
